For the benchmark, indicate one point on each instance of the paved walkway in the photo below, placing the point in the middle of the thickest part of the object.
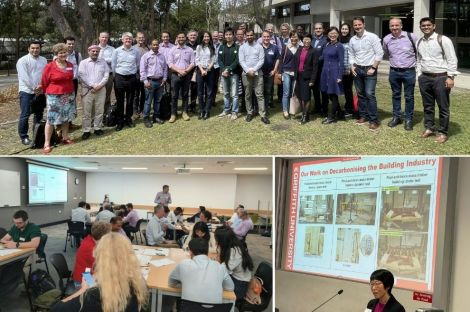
(5, 81)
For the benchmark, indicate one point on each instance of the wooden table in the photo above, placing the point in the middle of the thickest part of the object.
(20, 254)
(157, 280)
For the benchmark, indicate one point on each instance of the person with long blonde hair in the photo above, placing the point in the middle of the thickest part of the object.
(119, 285)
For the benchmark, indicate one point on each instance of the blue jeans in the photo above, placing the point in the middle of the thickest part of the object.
(408, 80)
(231, 92)
(25, 107)
(154, 94)
(287, 84)
(365, 87)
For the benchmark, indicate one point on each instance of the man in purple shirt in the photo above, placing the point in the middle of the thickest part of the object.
(181, 62)
(130, 221)
(153, 74)
(165, 47)
(244, 226)
(400, 47)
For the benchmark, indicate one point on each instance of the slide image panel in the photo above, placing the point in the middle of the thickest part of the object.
(356, 208)
(406, 208)
(367, 245)
(316, 209)
(403, 253)
(347, 245)
(314, 240)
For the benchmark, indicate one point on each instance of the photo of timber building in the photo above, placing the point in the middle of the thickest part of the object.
(451, 16)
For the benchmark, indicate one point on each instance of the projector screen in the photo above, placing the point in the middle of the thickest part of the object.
(46, 185)
(351, 216)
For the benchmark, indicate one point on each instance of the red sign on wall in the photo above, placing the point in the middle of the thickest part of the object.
(419, 296)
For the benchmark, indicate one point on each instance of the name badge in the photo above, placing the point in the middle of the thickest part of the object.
(22, 239)
(69, 68)
(271, 53)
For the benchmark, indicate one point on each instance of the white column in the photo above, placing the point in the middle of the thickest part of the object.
(335, 14)
(421, 9)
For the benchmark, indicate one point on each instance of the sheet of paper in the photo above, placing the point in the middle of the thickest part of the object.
(145, 272)
(163, 252)
(6, 252)
(144, 260)
(161, 262)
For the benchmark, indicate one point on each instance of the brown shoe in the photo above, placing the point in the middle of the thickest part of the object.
(373, 126)
(441, 138)
(172, 119)
(427, 133)
(185, 116)
(361, 121)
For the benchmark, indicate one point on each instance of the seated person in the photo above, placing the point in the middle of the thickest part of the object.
(131, 219)
(23, 234)
(244, 226)
(116, 225)
(195, 217)
(200, 230)
(201, 279)
(156, 229)
(122, 211)
(236, 258)
(123, 290)
(234, 220)
(84, 258)
(206, 217)
(106, 214)
(381, 284)
(80, 214)
(176, 215)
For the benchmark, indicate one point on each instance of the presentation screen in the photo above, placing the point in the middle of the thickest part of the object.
(46, 185)
(351, 216)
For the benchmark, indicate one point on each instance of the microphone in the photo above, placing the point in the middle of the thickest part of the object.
(321, 305)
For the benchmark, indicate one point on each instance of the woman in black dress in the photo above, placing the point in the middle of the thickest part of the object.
(306, 67)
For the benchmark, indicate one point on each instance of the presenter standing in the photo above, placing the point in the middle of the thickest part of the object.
(164, 197)
(381, 284)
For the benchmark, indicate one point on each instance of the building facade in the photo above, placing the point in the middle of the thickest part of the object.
(452, 16)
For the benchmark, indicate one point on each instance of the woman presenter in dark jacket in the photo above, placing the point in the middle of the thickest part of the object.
(381, 284)
(306, 67)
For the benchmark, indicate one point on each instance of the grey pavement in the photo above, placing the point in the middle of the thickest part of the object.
(6, 81)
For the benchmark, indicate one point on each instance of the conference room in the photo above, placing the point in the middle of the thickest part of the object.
(50, 189)
(407, 216)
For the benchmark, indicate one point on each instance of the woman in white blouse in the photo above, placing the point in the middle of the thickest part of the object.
(205, 59)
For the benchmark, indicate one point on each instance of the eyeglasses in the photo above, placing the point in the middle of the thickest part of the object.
(375, 283)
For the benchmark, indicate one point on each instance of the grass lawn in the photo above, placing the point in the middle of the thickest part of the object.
(221, 136)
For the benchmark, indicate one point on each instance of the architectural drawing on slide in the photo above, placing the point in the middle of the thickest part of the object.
(347, 245)
(316, 209)
(356, 208)
(314, 240)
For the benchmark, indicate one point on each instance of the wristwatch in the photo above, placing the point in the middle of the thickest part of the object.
(17, 244)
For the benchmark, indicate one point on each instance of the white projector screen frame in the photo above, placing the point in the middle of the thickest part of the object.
(46, 184)
(314, 205)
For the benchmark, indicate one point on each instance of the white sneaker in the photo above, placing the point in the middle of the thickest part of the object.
(234, 116)
(223, 114)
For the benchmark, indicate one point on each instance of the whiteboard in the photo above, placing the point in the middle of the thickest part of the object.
(10, 188)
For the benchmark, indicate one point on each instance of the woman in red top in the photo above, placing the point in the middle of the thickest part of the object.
(84, 258)
(57, 82)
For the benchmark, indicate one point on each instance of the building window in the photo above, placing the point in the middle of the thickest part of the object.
(283, 11)
(302, 8)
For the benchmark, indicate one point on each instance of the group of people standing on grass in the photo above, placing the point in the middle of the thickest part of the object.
(327, 63)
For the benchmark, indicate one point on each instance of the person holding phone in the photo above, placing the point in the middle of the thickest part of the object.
(126, 291)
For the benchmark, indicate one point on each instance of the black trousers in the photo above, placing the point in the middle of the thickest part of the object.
(348, 93)
(433, 90)
(124, 89)
(320, 98)
(194, 91)
(179, 84)
(139, 98)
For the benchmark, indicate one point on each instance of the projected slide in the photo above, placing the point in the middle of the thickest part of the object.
(351, 216)
(46, 184)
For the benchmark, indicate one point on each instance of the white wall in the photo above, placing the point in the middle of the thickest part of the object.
(460, 275)
(210, 190)
(252, 189)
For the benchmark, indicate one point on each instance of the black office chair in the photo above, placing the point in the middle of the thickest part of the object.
(40, 251)
(3, 232)
(60, 265)
(265, 273)
(136, 230)
(75, 231)
(144, 232)
(192, 306)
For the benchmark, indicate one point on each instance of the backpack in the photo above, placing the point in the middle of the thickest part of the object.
(39, 138)
(40, 282)
(109, 118)
(253, 293)
(439, 40)
(48, 299)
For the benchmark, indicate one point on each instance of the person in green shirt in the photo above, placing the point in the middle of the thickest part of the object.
(23, 234)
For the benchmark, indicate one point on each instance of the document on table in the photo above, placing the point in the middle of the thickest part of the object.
(145, 272)
(144, 260)
(6, 252)
(161, 262)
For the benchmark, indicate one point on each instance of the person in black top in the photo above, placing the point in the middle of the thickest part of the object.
(381, 284)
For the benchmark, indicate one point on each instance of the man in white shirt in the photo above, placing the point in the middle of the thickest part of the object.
(437, 67)
(75, 58)
(106, 214)
(251, 58)
(30, 68)
(106, 53)
(164, 197)
(93, 73)
(234, 220)
(156, 229)
(80, 214)
(200, 278)
(365, 54)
